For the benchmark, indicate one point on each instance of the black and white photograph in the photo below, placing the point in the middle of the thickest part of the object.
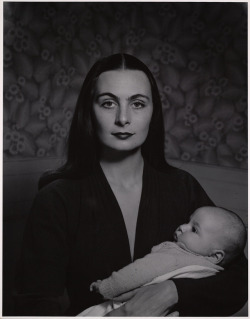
(125, 159)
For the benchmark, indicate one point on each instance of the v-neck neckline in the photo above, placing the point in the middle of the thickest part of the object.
(117, 212)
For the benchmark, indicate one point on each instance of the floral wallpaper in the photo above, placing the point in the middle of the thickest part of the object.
(196, 51)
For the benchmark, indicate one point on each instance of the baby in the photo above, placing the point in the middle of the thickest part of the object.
(211, 239)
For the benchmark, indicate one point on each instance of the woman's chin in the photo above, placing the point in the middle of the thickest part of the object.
(121, 149)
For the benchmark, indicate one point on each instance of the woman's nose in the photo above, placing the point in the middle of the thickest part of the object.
(122, 115)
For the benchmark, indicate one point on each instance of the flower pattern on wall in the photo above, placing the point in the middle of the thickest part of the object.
(196, 51)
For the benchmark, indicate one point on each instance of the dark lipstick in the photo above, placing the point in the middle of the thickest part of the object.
(123, 135)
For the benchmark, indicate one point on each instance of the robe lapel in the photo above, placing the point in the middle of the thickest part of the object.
(147, 228)
(116, 233)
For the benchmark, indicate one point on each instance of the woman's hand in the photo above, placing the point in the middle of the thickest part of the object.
(152, 301)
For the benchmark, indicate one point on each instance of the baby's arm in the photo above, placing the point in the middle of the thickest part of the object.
(134, 275)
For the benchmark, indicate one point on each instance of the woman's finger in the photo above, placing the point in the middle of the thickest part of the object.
(174, 314)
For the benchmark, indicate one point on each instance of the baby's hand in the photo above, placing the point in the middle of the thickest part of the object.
(95, 286)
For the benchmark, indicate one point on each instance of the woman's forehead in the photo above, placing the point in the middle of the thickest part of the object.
(123, 81)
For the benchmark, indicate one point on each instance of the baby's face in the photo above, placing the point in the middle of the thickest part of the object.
(202, 234)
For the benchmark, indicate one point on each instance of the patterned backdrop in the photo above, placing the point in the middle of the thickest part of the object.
(196, 51)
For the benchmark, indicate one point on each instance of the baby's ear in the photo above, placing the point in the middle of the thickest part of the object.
(217, 256)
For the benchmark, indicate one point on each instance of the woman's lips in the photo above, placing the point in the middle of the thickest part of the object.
(123, 135)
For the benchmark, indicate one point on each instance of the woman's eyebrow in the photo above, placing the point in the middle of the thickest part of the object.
(132, 97)
(136, 96)
(106, 94)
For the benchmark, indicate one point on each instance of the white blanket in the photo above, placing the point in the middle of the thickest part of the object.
(193, 271)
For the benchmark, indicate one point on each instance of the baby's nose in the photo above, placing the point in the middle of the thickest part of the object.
(183, 228)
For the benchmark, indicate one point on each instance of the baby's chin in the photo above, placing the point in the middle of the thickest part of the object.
(182, 245)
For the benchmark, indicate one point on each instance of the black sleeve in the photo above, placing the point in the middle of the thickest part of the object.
(42, 271)
(220, 295)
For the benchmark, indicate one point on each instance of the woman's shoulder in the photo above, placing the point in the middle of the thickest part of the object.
(64, 190)
(176, 180)
(62, 185)
(68, 189)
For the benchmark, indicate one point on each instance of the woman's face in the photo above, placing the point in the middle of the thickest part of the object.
(122, 109)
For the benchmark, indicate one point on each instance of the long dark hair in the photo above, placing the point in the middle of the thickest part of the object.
(82, 152)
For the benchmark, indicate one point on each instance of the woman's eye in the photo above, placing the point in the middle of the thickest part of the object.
(108, 104)
(138, 105)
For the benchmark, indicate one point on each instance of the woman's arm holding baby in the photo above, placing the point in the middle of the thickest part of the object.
(151, 301)
(220, 295)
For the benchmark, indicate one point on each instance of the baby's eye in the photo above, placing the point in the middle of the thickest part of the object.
(108, 104)
(138, 104)
(194, 230)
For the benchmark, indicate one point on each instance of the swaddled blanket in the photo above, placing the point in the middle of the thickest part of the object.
(166, 260)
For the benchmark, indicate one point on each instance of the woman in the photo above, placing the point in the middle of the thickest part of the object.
(113, 200)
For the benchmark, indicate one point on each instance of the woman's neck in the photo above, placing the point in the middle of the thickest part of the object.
(125, 169)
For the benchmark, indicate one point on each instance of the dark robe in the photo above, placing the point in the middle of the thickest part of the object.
(76, 235)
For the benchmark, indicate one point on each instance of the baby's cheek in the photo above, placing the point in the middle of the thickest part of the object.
(187, 241)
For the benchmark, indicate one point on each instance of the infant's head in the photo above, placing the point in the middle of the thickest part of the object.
(214, 232)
